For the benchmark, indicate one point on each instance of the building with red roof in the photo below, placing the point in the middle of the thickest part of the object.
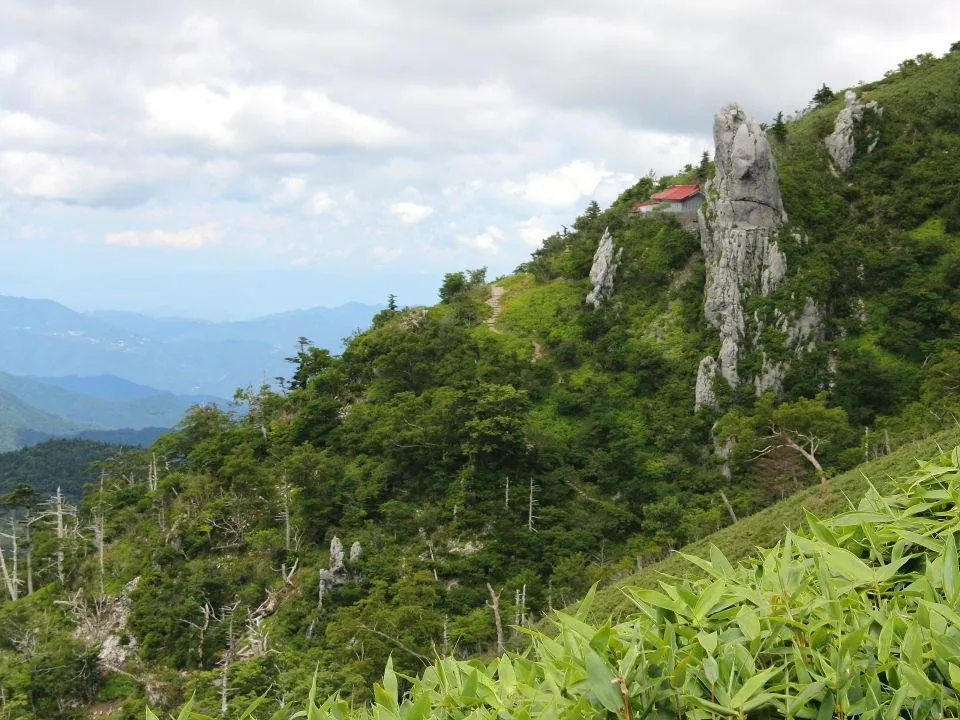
(676, 198)
(644, 206)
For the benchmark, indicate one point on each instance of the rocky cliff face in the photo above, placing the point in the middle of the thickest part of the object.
(604, 268)
(738, 226)
(841, 143)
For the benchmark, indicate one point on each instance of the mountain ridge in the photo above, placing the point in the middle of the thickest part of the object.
(436, 487)
(45, 338)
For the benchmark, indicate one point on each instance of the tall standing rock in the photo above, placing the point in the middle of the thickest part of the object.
(841, 143)
(605, 261)
(738, 226)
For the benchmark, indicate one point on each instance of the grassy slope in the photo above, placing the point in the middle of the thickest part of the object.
(766, 528)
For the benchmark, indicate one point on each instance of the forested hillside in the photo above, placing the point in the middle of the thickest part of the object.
(63, 463)
(460, 470)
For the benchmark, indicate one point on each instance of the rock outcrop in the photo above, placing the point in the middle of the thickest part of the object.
(706, 379)
(841, 143)
(738, 228)
(336, 575)
(105, 625)
(605, 261)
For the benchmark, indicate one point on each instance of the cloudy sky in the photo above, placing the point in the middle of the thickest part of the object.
(219, 158)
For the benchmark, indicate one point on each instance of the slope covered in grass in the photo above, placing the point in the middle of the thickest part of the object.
(766, 527)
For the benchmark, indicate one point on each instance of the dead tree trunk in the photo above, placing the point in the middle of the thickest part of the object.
(494, 605)
(729, 507)
(10, 579)
(29, 555)
(531, 504)
(229, 655)
(152, 474)
(98, 533)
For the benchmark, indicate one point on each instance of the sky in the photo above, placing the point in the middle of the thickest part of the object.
(230, 159)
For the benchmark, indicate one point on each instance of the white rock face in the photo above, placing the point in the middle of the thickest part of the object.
(336, 554)
(743, 213)
(465, 549)
(738, 225)
(840, 143)
(605, 261)
(706, 377)
(108, 628)
(356, 550)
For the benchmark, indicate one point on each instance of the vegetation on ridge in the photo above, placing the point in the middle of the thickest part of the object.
(383, 502)
(854, 618)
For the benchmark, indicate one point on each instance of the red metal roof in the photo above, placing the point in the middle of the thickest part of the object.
(642, 203)
(677, 192)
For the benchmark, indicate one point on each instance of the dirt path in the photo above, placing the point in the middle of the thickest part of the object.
(496, 292)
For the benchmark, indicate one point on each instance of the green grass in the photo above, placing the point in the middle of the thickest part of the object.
(767, 527)
(528, 308)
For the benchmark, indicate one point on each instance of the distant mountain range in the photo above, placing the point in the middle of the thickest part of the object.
(17, 416)
(34, 410)
(124, 377)
(41, 338)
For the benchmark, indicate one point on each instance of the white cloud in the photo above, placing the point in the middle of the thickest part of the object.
(532, 232)
(319, 203)
(411, 213)
(190, 238)
(19, 126)
(488, 241)
(253, 118)
(291, 190)
(302, 130)
(51, 177)
(9, 62)
(385, 254)
(562, 187)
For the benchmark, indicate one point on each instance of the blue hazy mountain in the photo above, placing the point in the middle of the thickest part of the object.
(42, 338)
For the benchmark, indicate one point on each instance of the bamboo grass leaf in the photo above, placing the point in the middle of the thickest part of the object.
(600, 680)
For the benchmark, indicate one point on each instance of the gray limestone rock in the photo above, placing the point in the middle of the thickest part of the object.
(355, 551)
(336, 554)
(738, 229)
(106, 627)
(743, 213)
(705, 396)
(605, 261)
(464, 549)
(841, 143)
(802, 333)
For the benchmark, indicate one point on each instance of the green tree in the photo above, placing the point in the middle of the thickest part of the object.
(477, 277)
(823, 96)
(804, 427)
(453, 284)
(391, 302)
(703, 169)
(779, 128)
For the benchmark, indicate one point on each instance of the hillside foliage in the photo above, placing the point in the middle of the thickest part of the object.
(856, 617)
(63, 463)
(451, 477)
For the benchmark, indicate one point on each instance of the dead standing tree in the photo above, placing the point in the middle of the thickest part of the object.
(229, 654)
(494, 605)
(60, 512)
(11, 576)
(804, 427)
(806, 444)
